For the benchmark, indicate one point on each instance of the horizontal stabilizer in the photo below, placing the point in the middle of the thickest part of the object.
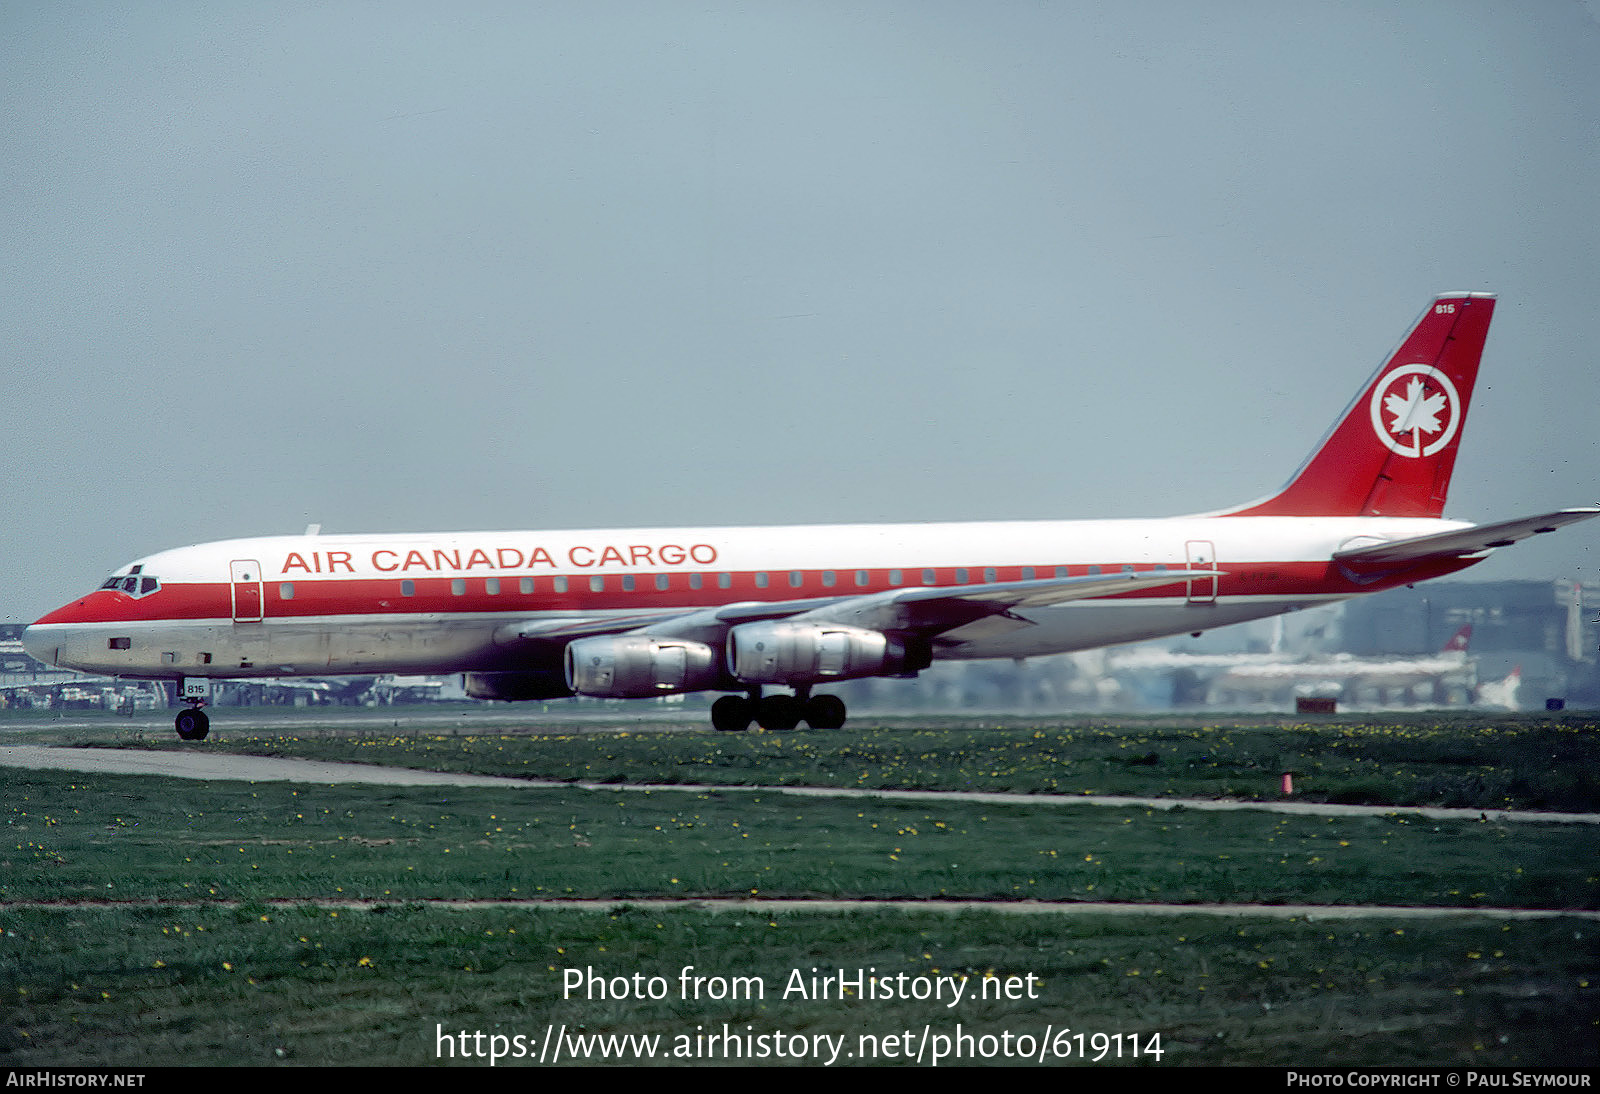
(1460, 543)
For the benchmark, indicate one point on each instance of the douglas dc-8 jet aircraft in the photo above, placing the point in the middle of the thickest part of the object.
(649, 612)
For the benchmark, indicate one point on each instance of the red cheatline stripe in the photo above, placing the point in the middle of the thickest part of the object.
(321, 597)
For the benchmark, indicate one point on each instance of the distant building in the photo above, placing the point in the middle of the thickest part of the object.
(1547, 629)
(13, 658)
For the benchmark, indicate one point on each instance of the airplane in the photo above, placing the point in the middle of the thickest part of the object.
(1501, 694)
(1444, 676)
(651, 612)
(1230, 678)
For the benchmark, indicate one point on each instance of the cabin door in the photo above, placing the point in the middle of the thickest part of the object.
(246, 590)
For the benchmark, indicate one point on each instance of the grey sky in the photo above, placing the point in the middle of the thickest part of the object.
(415, 267)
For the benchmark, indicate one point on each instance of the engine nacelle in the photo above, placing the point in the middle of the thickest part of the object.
(636, 666)
(517, 686)
(808, 653)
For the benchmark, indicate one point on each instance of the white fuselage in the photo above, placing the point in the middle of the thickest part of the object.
(440, 603)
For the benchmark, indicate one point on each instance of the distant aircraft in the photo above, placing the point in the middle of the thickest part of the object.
(636, 613)
(1443, 677)
(1502, 693)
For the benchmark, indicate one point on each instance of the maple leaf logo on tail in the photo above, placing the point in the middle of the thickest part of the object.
(1423, 410)
(1415, 413)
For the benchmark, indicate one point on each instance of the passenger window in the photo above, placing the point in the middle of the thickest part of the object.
(796, 579)
(724, 581)
(286, 590)
(408, 588)
(761, 581)
(828, 578)
(929, 577)
(1027, 573)
(491, 585)
(561, 584)
(1094, 571)
(627, 583)
(597, 584)
(989, 575)
(458, 586)
(696, 580)
(525, 585)
(862, 577)
(1061, 571)
(961, 577)
(897, 577)
(663, 581)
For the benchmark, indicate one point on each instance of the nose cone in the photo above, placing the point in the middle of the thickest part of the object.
(40, 643)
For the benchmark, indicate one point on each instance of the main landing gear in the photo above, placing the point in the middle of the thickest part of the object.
(733, 713)
(193, 724)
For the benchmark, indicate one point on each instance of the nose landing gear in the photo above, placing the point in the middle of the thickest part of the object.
(192, 724)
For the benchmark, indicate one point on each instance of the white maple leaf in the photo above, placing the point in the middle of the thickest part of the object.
(1414, 410)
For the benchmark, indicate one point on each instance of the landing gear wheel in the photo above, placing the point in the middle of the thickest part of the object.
(193, 725)
(825, 712)
(780, 712)
(731, 714)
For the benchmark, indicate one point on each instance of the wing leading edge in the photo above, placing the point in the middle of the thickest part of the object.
(1385, 557)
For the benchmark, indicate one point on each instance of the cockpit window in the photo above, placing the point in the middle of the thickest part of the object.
(133, 584)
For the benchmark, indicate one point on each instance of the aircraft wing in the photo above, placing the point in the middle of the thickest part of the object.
(935, 610)
(952, 616)
(565, 630)
(921, 610)
(1457, 544)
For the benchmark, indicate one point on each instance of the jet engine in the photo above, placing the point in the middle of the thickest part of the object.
(794, 653)
(635, 666)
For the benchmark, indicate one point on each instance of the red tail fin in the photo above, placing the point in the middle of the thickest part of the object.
(1392, 451)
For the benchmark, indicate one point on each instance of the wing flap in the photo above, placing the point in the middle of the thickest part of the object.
(1459, 543)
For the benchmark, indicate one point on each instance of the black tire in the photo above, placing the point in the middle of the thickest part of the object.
(193, 725)
(779, 712)
(825, 712)
(731, 714)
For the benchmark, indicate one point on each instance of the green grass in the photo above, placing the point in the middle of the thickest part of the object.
(150, 921)
(134, 987)
(78, 837)
(1466, 761)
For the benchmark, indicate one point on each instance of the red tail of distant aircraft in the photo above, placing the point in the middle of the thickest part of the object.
(649, 612)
